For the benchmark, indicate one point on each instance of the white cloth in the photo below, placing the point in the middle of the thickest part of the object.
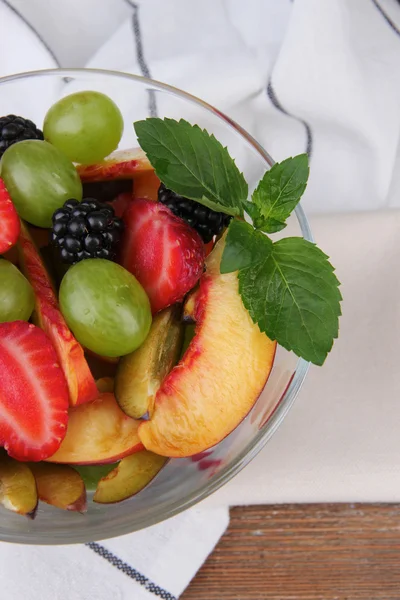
(157, 562)
(321, 76)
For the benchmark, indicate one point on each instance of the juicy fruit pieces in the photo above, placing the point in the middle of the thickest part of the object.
(16, 294)
(131, 475)
(105, 306)
(122, 164)
(220, 377)
(98, 432)
(85, 126)
(84, 230)
(105, 384)
(33, 393)
(140, 374)
(10, 223)
(60, 486)
(39, 179)
(17, 487)
(162, 251)
(205, 221)
(15, 129)
(81, 384)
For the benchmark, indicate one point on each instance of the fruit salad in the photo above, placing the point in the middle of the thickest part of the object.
(120, 271)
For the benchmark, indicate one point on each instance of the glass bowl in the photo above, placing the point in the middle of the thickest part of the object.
(183, 482)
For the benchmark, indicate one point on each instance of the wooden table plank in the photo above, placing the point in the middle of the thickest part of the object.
(305, 552)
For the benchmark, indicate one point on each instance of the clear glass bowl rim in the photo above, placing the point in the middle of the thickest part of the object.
(302, 366)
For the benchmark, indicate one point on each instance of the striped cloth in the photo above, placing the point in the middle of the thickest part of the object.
(301, 75)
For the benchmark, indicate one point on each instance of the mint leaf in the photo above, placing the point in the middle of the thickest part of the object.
(244, 247)
(193, 164)
(293, 296)
(278, 193)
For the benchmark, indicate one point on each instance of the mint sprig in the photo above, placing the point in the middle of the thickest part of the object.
(278, 193)
(192, 163)
(293, 295)
(288, 287)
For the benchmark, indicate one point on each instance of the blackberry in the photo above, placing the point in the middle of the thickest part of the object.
(16, 129)
(207, 222)
(87, 229)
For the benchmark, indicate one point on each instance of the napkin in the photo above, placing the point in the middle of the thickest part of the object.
(300, 76)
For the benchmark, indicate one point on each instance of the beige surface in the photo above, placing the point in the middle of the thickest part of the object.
(340, 442)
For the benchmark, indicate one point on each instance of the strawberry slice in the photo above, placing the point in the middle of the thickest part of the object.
(81, 384)
(164, 253)
(33, 393)
(9, 221)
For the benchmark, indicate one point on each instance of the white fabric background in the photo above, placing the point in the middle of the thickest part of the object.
(317, 74)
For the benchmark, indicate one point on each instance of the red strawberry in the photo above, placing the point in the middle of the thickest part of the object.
(120, 203)
(33, 393)
(9, 221)
(163, 252)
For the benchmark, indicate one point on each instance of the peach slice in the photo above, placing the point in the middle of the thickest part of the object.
(98, 433)
(140, 374)
(121, 164)
(17, 487)
(60, 486)
(105, 385)
(146, 186)
(131, 475)
(220, 376)
(47, 315)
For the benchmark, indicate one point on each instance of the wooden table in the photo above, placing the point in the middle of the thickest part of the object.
(305, 552)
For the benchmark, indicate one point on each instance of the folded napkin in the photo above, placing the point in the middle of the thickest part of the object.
(303, 75)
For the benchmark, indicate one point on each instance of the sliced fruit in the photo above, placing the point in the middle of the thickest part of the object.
(81, 384)
(10, 223)
(33, 393)
(105, 306)
(122, 164)
(162, 251)
(146, 186)
(105, 384)
(220, 377)
(98, 433)
(189, 308)
(60, 486)
(17, 487)
(131, 475)
(17, 299)
(121, 203)
(140, 374)
(91, 474)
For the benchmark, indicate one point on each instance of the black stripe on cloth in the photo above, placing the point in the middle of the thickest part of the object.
(140, 55)
(274, 99)
(130, 571)
(386, 17)
(37, 34)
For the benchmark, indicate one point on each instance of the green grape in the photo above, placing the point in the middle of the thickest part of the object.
(105, 307)
(91, 474)
(86, 126)
(17, 298)
(39, 179)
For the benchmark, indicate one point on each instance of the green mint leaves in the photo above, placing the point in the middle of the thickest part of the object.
(192, 163)
(278, 193)
(288, 287)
